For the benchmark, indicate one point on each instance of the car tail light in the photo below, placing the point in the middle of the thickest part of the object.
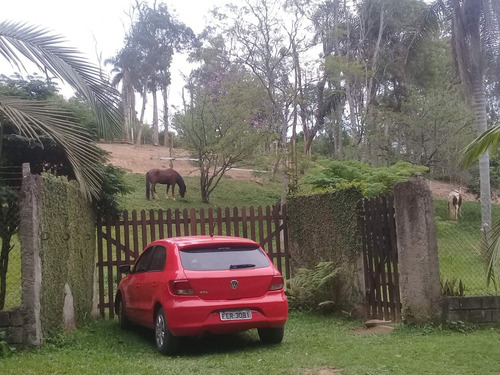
(277, 283)
(181, 288)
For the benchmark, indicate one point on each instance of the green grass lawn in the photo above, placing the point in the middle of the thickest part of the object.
(228, 193)
(459, 246)
(311, 343)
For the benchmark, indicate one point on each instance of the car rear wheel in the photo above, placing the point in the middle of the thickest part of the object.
(122, 317)
(272, 335)
(165, 341)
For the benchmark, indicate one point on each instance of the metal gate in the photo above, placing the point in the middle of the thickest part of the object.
(380, 255)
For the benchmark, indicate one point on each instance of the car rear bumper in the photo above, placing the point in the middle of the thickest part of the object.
(194, 316)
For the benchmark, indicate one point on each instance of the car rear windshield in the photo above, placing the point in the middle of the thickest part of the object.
(223, 258)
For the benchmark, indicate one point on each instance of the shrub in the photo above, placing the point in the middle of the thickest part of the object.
(449, 287)
(313, 289)
(335, 175)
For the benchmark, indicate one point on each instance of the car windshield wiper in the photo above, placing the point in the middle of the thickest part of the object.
(235, 266)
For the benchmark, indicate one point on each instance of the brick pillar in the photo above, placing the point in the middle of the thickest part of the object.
(417, 252)
(30, 234)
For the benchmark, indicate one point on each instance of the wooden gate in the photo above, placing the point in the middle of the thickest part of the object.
(380, 255)
(121, 241)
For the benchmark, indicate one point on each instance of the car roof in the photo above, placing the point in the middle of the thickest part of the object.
(196, 241)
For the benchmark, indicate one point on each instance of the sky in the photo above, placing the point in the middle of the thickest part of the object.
(100, 25)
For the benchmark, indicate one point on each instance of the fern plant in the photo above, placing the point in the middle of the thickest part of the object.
(313, 289)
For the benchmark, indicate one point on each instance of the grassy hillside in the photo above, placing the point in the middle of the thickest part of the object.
(228, 193)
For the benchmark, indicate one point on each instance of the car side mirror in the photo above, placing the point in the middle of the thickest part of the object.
(124, 269)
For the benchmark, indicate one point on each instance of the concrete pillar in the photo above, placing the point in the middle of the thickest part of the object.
(30, 233)
(417, 252)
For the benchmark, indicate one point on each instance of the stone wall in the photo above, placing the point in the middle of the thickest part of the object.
(11, 322)
(472, 309)
(57, 236)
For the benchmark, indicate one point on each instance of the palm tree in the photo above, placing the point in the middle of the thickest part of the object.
(475, 46)
(477, 24)
(21, 43)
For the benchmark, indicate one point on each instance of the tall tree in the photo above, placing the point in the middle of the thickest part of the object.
(475, 28)
(157, 34)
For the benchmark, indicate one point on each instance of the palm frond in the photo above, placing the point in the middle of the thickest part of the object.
(486, 141)
(429, 23)
(492, 254)
(20, 41)
(34, 117)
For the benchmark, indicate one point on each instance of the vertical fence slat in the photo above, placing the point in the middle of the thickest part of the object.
(236, 222)
(244, 223)
(203, 230)
(177, 221)
(261, 226)
(285, 242)
(185, 220)
(252, 224)
(100, 263)
(227, 220)
(211, 221)
(269, 220)
(277, 225)
(219, 220)
(118, 249)
(126, 236)
(161, 224)
(144, 230)
(135, 235)
(169, 223)
(152, 226)
(109, 267)
(193, 222)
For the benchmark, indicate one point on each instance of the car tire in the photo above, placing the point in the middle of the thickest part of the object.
(123, 321)
(166, 342)
(271, 335)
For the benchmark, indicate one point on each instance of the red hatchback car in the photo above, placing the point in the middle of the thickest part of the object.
(185, 286)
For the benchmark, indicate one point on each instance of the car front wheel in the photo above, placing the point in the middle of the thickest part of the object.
(165, 341)
(273, 335)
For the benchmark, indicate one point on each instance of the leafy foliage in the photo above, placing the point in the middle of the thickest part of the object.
(113, 184)
(312, 289)
(451, 288)
(336, 175)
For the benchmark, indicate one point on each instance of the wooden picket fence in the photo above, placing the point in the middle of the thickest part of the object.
(380, 254)
(121, 241)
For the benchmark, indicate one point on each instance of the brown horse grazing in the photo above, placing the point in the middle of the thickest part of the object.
(164, 176)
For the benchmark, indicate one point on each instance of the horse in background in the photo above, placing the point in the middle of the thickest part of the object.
(455, 204)
(164, 176)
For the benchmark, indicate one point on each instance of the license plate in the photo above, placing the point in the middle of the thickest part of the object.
(235, 315)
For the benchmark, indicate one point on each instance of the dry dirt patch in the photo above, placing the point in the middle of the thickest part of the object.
(143, 158)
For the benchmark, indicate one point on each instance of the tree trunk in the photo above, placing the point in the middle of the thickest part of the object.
(143, 111)
(484, 160)
(164, 93)
(154, 127)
